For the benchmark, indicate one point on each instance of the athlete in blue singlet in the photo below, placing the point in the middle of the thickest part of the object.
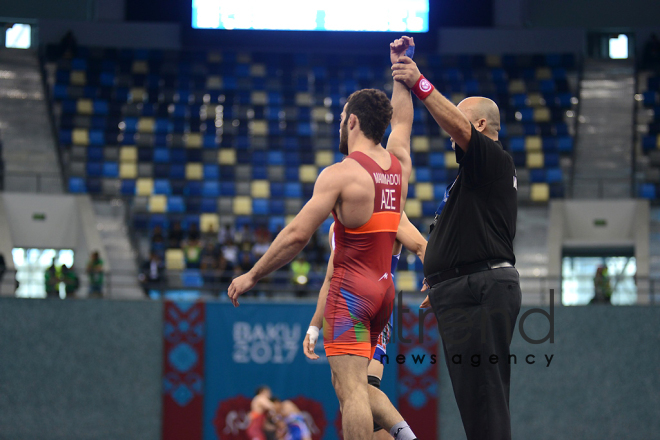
(292, 419)
(407, 236)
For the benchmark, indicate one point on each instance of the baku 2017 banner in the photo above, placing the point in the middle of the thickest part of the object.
(215, 356)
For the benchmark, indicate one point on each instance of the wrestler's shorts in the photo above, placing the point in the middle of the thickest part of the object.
(354, 319)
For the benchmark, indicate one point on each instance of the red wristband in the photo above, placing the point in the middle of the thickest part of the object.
(423, 88)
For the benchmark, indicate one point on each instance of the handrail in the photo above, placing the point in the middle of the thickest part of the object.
(214, 284)
(33, 176)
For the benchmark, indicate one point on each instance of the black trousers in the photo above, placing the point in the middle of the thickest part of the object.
(476, 316)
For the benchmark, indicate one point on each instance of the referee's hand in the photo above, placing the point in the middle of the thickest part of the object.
(426, 303)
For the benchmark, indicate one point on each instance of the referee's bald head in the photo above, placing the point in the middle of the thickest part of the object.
(483, 113)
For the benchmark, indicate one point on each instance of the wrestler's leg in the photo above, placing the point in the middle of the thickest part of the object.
(349, 377)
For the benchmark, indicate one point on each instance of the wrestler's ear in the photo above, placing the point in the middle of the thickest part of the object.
(353, 121)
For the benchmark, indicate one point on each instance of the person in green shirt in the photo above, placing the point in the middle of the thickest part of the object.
(70, 279)
(95, 273)
(52, 280)
(300, 271)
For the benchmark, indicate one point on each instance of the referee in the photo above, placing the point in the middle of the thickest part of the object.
(469, 263)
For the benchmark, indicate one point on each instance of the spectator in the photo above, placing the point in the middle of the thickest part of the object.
(224, 234)
(261, 246)
(300, 273)
(246, 262)
(225, 269)
(175, 237)
(192, 250)
(244, 238)
(651, 56)
(209, 264)
(52, 280)
(230, 251)
(3, 268)
(151, 276)
(95, 273)
(71, 281)
(68, 45)
(602, 287)
(158, 240)
(193, 232)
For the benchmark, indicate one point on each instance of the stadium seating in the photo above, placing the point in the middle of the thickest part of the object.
(195, 134)
(649, 95)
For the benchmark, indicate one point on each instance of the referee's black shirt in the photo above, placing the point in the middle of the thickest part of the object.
(478, 222)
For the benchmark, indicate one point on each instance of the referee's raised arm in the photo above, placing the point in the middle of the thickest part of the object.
(445, 113)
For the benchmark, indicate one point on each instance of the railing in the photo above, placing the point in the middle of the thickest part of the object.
(602, 187)
(30, 181)
(212, 285)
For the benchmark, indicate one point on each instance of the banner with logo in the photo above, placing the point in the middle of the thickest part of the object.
(261, 344)
(417, 385)
(183, 370)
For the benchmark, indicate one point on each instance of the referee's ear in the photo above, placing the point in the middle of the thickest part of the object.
(481, 124)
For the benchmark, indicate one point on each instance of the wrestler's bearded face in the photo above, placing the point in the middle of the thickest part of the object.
(343, 137)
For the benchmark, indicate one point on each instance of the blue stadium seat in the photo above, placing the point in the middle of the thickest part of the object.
(209, 205)
(178, 155)
(439, 175)
(95, 154)
(100, 107)
(276, 189)
(260, 207)
(275, 223)
(423, 174)
(439, 191)
(517, 144)
(145, 154)
(179, 187)
(193, 205)
(211, 172)
(94, 185)
(162, 186)
(647, 191)
(537, 175)
(227, 189)
(553, 175)
(551, 160)
(161, 155)
(293, 190)
(192, 188)
(649, 142)
(141, 222)
(193, 155)
(292, 173)
(128, 187)
(211, 189)
(325, 226)
(277, 207)
(161, 171)
(429, 208)
(94, 169)
(275, 158)
(177, 171)
(411, 191)
(192, 278)
(565, 144)
(259, 172)
(77, 185)
(66, 137)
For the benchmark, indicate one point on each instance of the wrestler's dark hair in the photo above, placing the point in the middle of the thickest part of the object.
(275, 399)
(261, 389)
(374, 111)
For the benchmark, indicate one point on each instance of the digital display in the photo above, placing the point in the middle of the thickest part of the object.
(312, 15)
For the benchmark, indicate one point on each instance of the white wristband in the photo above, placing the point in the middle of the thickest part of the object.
(313, 333)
